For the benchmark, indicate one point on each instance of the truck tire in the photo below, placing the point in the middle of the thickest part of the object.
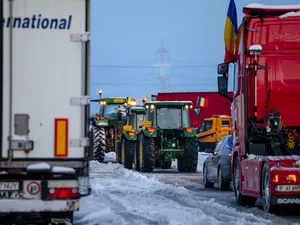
(99, 144)
(189, 161)
(136, 156)
(240, 199)
(166, 164)
(266, 191)
(127, 153)
(146, 152)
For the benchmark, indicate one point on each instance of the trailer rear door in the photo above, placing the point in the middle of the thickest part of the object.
(45, 81)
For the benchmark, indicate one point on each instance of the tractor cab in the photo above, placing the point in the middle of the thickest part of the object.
(169, 116)
(135, 116)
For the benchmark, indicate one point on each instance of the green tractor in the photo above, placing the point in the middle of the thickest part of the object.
(167, 135)
(127, 146)
(107, 125)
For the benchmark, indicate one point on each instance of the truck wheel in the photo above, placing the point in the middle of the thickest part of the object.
(99, 143)
(189, 161)
(146, 152)
(222, 184)
(206, 183)
(166, 164)
(127, 153)
(266, 191)
(240, 199)
(136, 157)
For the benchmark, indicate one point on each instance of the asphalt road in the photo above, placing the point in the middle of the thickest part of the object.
(193, 182)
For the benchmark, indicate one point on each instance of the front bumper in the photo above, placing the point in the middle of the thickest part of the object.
(25, 205)
(286, 200)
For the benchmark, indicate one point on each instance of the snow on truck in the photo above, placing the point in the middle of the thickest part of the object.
(45, 103)
(265, 116)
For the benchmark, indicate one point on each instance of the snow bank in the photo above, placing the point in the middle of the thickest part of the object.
(120, 196)
(110, 157)
(261, 6)
(201, 158)
(290, 14)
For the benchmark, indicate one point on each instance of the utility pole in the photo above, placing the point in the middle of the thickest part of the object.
(163, 56)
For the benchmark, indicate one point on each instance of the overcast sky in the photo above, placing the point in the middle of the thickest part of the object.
(130, 32)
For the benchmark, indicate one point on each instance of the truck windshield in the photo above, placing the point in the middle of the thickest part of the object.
(169, 118)
(111, 110)
(206, 125)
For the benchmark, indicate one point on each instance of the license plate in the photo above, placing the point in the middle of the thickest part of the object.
(9, 186)
(288, 188)
(10, 195)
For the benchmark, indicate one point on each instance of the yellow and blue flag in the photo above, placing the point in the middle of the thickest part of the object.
(230, 32)
(203, 102)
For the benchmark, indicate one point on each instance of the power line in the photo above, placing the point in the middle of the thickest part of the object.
(150, 67)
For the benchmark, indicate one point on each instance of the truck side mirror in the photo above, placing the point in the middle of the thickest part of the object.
(223, 68)
(223, 86)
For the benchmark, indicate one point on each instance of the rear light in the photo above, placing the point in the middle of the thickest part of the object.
(63, 193)
(291, 178)
(150, 129)
(131, 134)
(230, 158)
(189, 130)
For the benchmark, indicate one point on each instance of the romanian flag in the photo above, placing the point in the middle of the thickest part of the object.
(203, 102)
(230, 32)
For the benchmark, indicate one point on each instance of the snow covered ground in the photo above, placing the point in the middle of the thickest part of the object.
(122, 196)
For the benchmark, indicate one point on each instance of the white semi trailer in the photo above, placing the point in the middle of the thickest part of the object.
(44, 74)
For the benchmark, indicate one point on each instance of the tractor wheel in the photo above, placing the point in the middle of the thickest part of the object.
(189, 161)
(99, 145)
(146, 153)
(166, 164)
(136, 156)
(127, 149)
(118, 147)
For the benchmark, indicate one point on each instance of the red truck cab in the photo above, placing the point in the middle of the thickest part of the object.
(266, 112)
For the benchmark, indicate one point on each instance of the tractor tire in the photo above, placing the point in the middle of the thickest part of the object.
(189, 161)
(146, 150)
(127, 149)
(99, 145)
(166, 164)
(136, 156)
(118, 152)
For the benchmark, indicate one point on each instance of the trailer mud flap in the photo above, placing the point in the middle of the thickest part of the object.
(286, 200)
